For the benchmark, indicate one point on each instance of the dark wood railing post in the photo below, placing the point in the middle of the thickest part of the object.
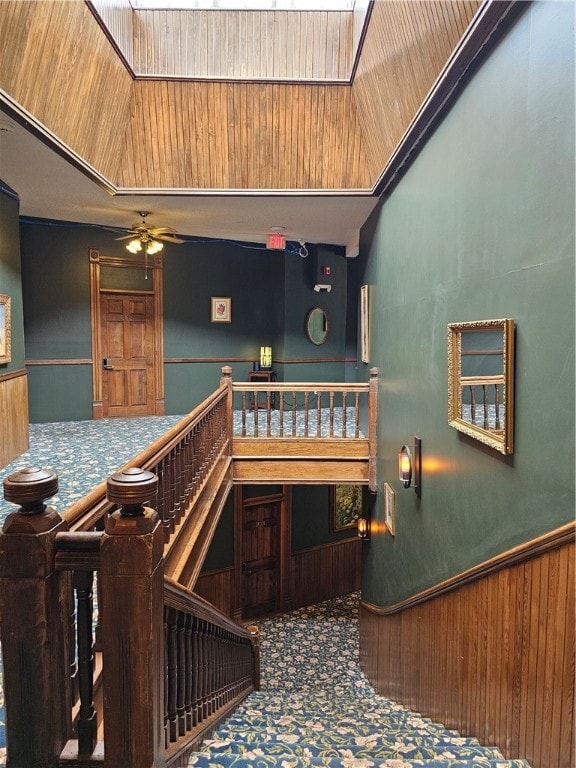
(226, 378)
(132, 577)
(372, 427)
(35, 605)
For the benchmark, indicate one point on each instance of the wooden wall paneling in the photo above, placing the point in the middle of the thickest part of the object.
(117, 17)
(410, 43)
(262, 45)
(242, 136)
(493, 658)
(321, 573)
(218, 588)
(44, 37)
(13, 416)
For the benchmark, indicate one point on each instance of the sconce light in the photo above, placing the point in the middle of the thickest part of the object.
(410, 466)
(265, 357)
(363, 528)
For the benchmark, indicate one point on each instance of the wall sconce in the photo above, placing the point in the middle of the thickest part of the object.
(410, 466)
(265, 357)
(363, 525)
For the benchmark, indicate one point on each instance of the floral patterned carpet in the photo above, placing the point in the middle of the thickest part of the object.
(317, 708)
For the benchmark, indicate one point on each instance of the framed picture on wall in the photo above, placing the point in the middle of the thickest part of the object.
(365, 323)
(345, 506)
(221, 309)
(389, 511)
(5, 330)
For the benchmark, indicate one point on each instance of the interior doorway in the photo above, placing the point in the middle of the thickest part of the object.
(263, 552)
(127, 343)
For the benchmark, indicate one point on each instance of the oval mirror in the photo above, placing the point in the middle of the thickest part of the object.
(317, 325)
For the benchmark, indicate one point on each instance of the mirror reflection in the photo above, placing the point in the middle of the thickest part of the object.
(480, 381)
(317, 325)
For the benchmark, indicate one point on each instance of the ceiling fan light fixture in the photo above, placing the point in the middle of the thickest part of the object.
(134, 246)
(153, 246)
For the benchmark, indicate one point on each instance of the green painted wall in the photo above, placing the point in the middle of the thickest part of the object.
(270, 291)
(480, 227)
(10, 274)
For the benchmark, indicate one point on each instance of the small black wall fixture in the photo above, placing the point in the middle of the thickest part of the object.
(363, 524)
(410, 466)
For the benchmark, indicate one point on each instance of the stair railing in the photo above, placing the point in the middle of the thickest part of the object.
(173, 667)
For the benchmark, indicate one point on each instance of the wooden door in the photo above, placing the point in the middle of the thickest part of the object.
(261, 533)
(127, 344)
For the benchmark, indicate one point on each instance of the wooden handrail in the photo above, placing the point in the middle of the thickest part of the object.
(44, 556)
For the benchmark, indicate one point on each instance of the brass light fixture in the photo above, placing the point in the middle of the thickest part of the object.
(410, 466)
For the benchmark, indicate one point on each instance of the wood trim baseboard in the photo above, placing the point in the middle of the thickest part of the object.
(548, 541)
(60, 361)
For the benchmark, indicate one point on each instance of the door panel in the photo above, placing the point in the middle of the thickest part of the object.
(260, 558)
(127, 343)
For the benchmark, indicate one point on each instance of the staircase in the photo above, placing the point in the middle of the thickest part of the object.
(316, 708)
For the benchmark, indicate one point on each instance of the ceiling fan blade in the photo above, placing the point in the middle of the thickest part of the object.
(161, 230)
(169, 238)
(127, 237)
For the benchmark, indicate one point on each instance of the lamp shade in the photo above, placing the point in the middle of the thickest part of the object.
(405, 466)
(265, 357)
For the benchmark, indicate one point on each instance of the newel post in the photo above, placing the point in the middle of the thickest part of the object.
(35, 605)
(132, 581)
(372, 428)
(226, 379)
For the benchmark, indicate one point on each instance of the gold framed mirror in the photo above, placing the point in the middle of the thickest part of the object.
(481, 381)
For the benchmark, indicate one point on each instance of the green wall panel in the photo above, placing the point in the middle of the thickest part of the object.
(10, 275)
(71, 400)
(480, 227)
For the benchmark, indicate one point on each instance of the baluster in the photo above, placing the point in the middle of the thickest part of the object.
(196, 459)
(344, 414)
(319, 416)
(357, 415)
(166, 677)
(243, 414)
(171, 467)
(172, 647)
(181, 673)
(485, 406)
(255, 402)
(87, 724)
(281, 414)
(196, 681)
(306, 413)
(331, 432)
(293, 414)
(268, 413)
(189, 665)
(472, 404)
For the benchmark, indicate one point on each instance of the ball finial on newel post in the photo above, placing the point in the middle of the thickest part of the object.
(131, 488)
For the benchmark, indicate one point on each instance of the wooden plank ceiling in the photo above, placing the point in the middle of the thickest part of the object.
(188, 132)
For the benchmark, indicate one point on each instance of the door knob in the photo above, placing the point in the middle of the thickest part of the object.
(105, 365)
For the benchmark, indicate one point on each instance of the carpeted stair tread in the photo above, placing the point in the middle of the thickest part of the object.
(252, 760)
(395, 749)
(316, 708)
(326, 739)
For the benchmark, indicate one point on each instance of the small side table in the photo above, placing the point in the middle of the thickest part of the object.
(262, 376)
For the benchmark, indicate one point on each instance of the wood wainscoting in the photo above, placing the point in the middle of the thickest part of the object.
(321, 573)
(316, 574)
(13, 416)
(491, 653)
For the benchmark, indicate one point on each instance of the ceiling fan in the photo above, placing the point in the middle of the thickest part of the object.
(143, 237)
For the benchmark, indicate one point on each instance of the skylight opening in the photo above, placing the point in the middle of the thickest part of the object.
(244, 5)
